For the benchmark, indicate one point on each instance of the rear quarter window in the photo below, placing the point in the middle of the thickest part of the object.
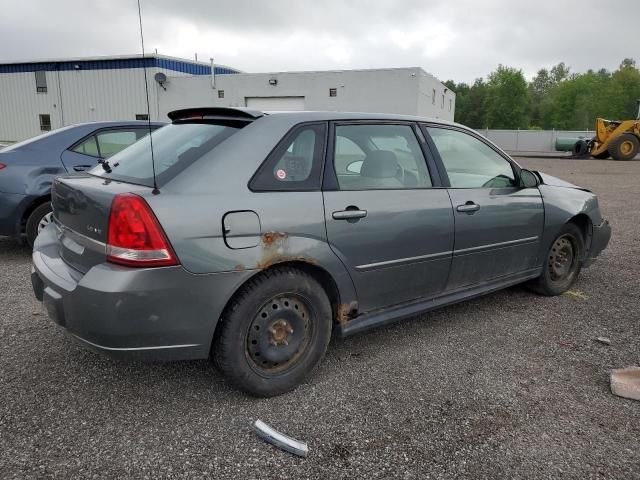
(295, 163)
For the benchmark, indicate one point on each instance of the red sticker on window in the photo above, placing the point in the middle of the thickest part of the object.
(281, 174)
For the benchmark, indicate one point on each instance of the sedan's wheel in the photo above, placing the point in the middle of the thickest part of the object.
(279, 334)
(44, 221)
(274, 332)
(563, 262)
(37, 221)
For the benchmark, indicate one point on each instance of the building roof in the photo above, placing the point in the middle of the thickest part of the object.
(116, 62)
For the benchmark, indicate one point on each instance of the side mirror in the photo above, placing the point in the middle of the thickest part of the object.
(528, 179)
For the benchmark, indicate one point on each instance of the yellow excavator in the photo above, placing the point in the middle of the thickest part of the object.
(617, 139)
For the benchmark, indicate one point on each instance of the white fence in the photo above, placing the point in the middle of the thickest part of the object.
(543, 141)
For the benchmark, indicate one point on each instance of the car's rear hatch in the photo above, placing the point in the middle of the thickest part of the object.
(81, 207)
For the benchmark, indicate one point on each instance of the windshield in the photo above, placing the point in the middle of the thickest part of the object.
(175, 147)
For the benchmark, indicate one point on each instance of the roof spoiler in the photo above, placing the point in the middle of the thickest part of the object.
(216, 113)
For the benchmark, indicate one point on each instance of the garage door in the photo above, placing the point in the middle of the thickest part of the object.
(275, 103)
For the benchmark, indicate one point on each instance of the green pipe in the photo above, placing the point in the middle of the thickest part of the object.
(565, 144)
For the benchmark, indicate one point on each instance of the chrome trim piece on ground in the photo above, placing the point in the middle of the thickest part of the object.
(134, 349)
(280, 440)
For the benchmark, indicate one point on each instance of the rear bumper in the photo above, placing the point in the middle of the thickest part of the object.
(599, 241)
(148, 314)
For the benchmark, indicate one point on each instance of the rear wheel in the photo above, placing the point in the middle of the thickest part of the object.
(274, 332)
(37, 221)
(562, 263)
(624, 147)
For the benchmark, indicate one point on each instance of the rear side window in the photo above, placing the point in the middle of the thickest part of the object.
(295, 164)
(372, 157)
(112, 142)
(175, 147)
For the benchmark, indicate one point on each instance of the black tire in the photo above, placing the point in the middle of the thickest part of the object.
(602, 155)
(558, 275)
(34, 220)
(256, 345)
(624, 147)
(580, 148)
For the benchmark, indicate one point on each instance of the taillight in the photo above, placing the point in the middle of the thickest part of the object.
(2, 165)
(136, 239)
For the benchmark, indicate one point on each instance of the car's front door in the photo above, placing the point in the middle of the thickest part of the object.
(386, 221)
(100, 144)
(498, 224)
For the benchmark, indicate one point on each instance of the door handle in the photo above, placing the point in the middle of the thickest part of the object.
(469, 207)
(81, 168)
(349, 214)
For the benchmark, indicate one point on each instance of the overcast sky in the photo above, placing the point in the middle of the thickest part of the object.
(460, 39)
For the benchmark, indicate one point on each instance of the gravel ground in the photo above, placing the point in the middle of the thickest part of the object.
(510, 385)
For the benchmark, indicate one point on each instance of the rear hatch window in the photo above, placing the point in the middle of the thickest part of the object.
(175, 147)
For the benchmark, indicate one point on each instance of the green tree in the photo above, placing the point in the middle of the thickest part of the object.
(625, 83)
(462, 99)
(507, 99)
(475, 115)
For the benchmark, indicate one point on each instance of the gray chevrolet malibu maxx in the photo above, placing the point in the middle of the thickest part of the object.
(260, 234)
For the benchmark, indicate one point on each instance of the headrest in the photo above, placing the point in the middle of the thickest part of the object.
(379, 164)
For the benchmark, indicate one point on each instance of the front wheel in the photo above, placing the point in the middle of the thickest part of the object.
(562, 263)
(37, 221)
(274, 332)
(624, 147)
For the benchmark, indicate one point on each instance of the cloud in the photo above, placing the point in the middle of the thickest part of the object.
(461, 40)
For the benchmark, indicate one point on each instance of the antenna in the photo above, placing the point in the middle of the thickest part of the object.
(155, 190)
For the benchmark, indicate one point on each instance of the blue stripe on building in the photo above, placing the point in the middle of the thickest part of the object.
(115, 64)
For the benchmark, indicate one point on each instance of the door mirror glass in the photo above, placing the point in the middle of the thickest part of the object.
(354, 167)
(528, 179)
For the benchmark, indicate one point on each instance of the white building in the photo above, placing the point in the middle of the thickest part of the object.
(409, 91)
(44, 95)
(37, 96)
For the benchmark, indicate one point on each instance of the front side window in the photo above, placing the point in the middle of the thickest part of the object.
(470, 163)
(295, 164)
(370, 157)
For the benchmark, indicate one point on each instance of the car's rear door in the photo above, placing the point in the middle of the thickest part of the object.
(100, 144)
(498, 224)
(386, 218)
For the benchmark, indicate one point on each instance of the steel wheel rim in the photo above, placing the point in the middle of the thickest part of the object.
(561, 260)
(626, 147)
(279, 334)
(44, 221)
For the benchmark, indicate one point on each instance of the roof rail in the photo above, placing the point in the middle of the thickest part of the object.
(215, 113)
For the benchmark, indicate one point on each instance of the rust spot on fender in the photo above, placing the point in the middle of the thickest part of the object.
(270, 239)
(239, 268)
(346, 311)
(275, 249)
(270, 261)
